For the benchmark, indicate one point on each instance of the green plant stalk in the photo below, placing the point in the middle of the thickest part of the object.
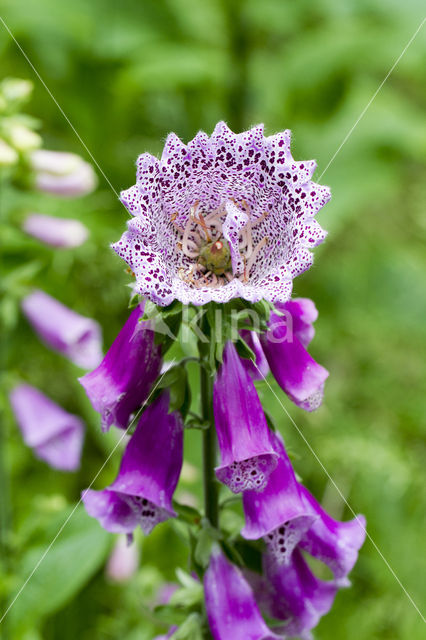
(211, 503)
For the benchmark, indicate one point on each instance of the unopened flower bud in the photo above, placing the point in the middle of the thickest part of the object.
(8, 156)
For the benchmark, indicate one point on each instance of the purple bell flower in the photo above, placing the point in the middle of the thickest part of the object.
(284, 345)
(123, 380)
(278, 514)
(296, 595)
(334, 543)
(55, 435)
(62, 173)
(231, 608)
(75, 336)
(149, 472)
(57, 232)
(247, 454)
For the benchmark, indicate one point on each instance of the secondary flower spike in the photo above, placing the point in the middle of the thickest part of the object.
(230, 216)
(75, 336)
(231, 608)
(149, 472)
(278, 514)
(246, 451)
(123, 380)
(284, 345)
(61, 233)
(55, 435)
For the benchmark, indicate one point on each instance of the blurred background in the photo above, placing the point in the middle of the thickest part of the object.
(127, 73)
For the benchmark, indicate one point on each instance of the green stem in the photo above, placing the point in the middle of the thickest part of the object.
(211, 507)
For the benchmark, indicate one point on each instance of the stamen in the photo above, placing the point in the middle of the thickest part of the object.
(255, 253)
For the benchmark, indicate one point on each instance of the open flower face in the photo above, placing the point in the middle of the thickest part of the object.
(222, 217)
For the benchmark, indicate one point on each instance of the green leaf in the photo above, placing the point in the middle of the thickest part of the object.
(58, 572)
(191, 629)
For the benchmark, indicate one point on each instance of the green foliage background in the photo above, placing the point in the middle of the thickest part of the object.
(126, 73)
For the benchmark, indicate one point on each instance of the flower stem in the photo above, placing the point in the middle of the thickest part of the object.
(211, 507)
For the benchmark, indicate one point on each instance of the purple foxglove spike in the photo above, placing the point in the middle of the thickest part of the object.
(247, 454)
(334, 543)
(75, 336)
(55, 435)
(123, 380)
(123, 561)
(303, 314)
(56, 232)
(297, 596)
(260, 370)
(240, 199)
(62, 174)
(278, 514)
(149, 472)
(231, 608)
(294, 369)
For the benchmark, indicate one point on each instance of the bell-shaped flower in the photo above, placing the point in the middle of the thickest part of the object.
(246, 451)
(61, 233)
(278, 514)
(226, 216)
(149, 472)
(296, 596)
(123, 380)
(231, 607)
(62, 173)
(75, 336)
(284, 345)
(334, 543)
(55, 435)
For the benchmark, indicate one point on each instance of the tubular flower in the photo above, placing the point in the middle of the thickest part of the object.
(296, 596)
(55, 435)
(62, 173)
(232, 611)
(284, 345)
(149, 472)
(230, 216)
(278, 514)
(75, 336)
(334, 543)
(123, 380)
(247, 454)
(56, 232)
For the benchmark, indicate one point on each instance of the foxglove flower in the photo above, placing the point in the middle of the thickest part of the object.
(231, 216)
(334, 543)
(123, 561)
(55, 435)
(231, 608)
(56, 232)
(123, 380)
(284, 345)
(75, 336)
(247, 454)
(149, 472)
(278, 514)
(62, 173)
(296, 596)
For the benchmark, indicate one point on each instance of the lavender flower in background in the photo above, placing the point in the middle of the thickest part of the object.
(75, 336)
(55, 435)
(247, 454)
(231, 608)
(284, 345)
(278, 514)
(149, 472)
(123, 380)
(220, 218)
(123, 561)
(62, 173)
(295, 595)
(56, 232)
